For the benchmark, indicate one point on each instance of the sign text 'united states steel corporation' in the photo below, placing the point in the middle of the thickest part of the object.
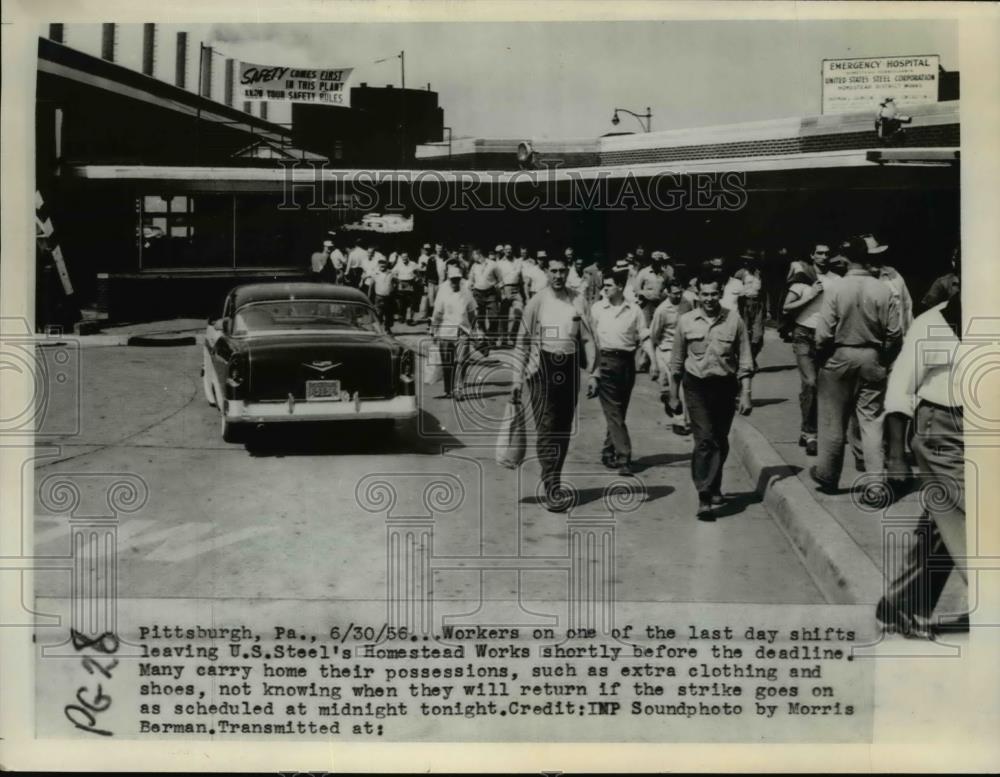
(860, 84)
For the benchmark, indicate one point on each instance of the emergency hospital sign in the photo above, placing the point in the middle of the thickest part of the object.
(861, 84)
(297, 85)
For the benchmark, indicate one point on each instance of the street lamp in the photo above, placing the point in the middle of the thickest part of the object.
(646, 125)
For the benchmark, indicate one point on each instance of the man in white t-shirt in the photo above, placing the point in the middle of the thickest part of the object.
(511, 300)
(555, 328)
(357, 263)
(804, 300)
(406, 272)
(452, 322)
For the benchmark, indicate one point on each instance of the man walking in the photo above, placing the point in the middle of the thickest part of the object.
(922, 390)
(454, 317)
(381, 286)
(320, 263)
(533, 272)
(803, 301)
(511, 302)
(711, 359)
(485, 279)
(554, 328)
(407, 278)
(619, 331)
(357, 261)
(857, 337)
(661, 337)
(750, 301)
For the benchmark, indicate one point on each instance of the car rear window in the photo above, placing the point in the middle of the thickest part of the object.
(298, 315)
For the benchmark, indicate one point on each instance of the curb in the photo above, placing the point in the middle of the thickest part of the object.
(839, 567)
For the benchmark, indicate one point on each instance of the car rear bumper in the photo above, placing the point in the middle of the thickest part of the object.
(401, 407)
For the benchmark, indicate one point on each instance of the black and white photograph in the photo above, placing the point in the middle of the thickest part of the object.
(476, 375)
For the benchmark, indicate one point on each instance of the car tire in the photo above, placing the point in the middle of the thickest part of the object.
(206, 380)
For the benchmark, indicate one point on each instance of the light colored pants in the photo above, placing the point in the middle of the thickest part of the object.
(852, 382)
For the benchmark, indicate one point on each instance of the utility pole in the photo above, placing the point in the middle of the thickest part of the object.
(402, 69)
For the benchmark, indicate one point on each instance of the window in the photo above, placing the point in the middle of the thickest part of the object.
(184, 231)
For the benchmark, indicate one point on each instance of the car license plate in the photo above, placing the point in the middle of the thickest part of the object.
(323, 390)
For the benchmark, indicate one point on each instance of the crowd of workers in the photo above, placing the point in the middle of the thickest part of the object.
(698, 331)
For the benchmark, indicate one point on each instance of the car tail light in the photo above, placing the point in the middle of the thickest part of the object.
(238, 371)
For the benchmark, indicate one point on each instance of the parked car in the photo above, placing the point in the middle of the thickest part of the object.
(296, 352)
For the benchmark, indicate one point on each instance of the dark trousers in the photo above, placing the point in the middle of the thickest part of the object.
(554, 390)
(804, 347)
(615, 382)
(383, 308)
(453, 362)
(938, 445)
(487, 310)
(409, 300)
(711, 403)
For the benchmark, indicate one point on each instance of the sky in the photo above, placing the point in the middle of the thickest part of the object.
(563, 79)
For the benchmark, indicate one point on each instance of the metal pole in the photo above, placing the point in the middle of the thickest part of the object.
(402, 69)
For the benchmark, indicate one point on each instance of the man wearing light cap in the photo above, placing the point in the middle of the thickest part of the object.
(452, 321)
(891, 277)
(320, 263)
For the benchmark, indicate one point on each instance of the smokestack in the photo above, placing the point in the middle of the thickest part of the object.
(148, 46)
(108, 42)
(182, 52)
(56, 33)
(205, 86)
(229, 82)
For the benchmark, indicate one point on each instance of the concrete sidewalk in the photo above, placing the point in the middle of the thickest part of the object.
(842, 542)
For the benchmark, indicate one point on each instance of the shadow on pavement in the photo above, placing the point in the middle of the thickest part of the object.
(775, 473)
(351, 438)
(766, 402)
(586, 496)
(648, 462)
(737, 503)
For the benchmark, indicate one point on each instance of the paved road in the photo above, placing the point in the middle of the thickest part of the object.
(282, 519)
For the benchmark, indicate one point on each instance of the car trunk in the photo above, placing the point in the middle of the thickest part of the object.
(282, 365)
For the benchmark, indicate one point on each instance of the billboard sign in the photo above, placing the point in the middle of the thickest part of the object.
(276, 83)
(860, 84)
